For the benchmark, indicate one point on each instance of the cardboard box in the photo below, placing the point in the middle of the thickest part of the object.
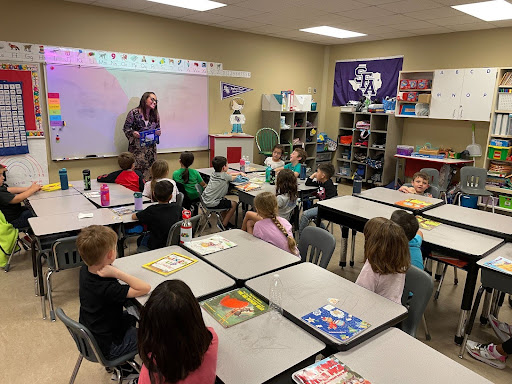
(424, 98)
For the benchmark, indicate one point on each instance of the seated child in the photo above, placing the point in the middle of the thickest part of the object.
(326, 190)
(420, 183)
(160, 217)
(188, 177)
(187, 349)
(410, 225)
(271, 228)
(159, 171)
(217, 188)
(387, 259)
(297, 157)
(102, 296)
(275, 161)
(126, 176)
(10, 201)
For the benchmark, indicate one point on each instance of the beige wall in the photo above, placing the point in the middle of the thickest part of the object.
(275, 64)
(455, 50)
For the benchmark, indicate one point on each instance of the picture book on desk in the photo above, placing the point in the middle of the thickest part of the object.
(500, 264)
(122, 210)
(169, 264)
(413, 203)
(212, 244)
(335, 322)
(427, 224)
(248, 187)
(234, 307)
(328, 371)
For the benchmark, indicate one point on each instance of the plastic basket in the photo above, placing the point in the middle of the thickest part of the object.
(505, 101)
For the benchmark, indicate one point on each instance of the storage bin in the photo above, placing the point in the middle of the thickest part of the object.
(323, 156)
(506, 202)
(505, 101)
(500, 143)
(404, 150)
(498, 153)
(345, 171)
(321, 147)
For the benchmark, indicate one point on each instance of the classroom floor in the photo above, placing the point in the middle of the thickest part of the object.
(33, 350)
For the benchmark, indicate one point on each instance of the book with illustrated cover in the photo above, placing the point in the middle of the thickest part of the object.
(427, 224)
(122, 210)
(234, 307)
(500, 264)
(212, 244)
(328, 371)
(248, 187)
(413, 203)
(335, 322)
(169, 264)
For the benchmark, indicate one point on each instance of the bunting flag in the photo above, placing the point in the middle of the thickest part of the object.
(229, 90)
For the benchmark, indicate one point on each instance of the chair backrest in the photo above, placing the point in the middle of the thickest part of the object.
(266, 138)
(320, 244)
(84, 340)
(433, 175)
(179, 199)
(65, 254)
(174, 233)
(432, 189)
(200, 189)
(420, 284)
(472, 180)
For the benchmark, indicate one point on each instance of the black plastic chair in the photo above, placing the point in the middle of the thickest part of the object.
(320, 244)
(208, 212)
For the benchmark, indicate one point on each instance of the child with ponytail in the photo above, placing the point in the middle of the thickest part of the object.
(273, 229)
(159, 171)
(188, 177)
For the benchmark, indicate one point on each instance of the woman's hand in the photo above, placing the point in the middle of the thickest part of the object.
(136, 134)
(158, 132)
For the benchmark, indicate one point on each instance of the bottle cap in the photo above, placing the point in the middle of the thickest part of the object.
(137, 195)
(186, 214)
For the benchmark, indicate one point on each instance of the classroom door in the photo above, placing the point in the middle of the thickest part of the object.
(477, 94)
(446, 91)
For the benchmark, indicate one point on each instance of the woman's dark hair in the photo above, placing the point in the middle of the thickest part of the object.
(153, 117)
(186, 159)
(172, 336)
(286, 183)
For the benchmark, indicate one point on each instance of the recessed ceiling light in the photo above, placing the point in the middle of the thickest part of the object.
(332, 32)
(196, 5)
(487, 10)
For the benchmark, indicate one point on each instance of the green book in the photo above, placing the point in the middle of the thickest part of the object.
(234, 307)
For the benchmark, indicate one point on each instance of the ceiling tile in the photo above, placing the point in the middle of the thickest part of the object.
(332, 20)
(431, 30)
(367, 28)
(398, 34)
(206, 18)
(457, 2)
(266, 5)
(500, 23)
(471, 26)
(135, 5)
(413, 25)
(377, 2)
(434, 13)
(81, 1)
(335, 6)
(409, 6)
(168, 11)
(366, 13)
(453, 20)
(239, 23)
(267, 28)
(235, 11)
(389, 20)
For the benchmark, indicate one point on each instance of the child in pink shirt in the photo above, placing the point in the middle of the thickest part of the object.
(172, 330)
(273, 229)
(386, 251)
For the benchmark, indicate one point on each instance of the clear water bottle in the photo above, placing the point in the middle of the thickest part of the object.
(275, 297)
(63, 175)
(247, 163)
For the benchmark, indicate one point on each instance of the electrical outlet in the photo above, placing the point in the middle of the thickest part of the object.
(314, 91)
(309, 90)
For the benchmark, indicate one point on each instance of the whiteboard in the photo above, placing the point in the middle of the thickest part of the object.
(31, 167)
(95, 101)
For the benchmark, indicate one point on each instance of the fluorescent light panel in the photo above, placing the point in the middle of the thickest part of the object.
(332, 32)
(196, 5)
(487, 10)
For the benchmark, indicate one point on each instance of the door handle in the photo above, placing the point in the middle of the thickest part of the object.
(461, 111)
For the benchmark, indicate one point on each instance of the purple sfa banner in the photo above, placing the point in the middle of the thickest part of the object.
(370, 78)
(229, 90)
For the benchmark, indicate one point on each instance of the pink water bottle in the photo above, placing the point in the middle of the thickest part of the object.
(242, 164)
(104, 195)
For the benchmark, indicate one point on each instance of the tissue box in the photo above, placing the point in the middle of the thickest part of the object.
(408, 109)
(407, 96)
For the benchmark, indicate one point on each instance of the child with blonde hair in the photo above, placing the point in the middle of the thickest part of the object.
(386, 253)
(159, 171)
(271, 228)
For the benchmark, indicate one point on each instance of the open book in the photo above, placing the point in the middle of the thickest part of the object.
(427, 224)
(169, 264)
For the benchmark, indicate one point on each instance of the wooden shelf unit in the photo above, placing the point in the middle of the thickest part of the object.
(412, 75)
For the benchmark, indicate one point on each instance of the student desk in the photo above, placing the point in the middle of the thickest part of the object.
(203, 279)
(119, 195)
(52, 194)
(252, 167)
(453, 241)
(307, 287)
(493, 279)
(390, 197)
(396, 357)
(63, 204)
(250, 258)
(473, 219)
(262, 348)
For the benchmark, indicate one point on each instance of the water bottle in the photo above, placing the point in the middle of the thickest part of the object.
(242, 164)
(357, 185)
(137, 197)
(268, 171)
(247, 163)
(273, 177)
(275, 297)
(186, 227)
(104, 195)
(302, 174)
(87, 179)
(63, 174)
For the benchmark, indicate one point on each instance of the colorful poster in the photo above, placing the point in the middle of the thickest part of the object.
(13, 135)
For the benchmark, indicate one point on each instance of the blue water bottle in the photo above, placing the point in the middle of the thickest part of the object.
(357, 185)
(63, 175)
(302, 174)
(268, 171)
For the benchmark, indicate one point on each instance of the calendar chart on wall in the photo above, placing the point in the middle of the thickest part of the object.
(13, 136)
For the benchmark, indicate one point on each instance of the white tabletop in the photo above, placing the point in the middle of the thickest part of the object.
(203, 279)
(95, 186)
(119, 194)
(59, 193)
(63, 204)
(250, 258)
(444, 161)
(307, 287)
(252, 167)
(261, 348)
(363, 208)
(395, 357)
(475, 219)
(390, 197)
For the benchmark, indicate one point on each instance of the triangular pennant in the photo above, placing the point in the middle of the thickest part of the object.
(229, 90)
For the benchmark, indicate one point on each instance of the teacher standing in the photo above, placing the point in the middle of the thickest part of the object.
(142, 118)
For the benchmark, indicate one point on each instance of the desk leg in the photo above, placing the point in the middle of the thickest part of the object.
(469, 327)
(34, 265)
(469, 290)
(40, 281)
(344, 244)
(353, 247)
(397, 167)
(487, 305)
